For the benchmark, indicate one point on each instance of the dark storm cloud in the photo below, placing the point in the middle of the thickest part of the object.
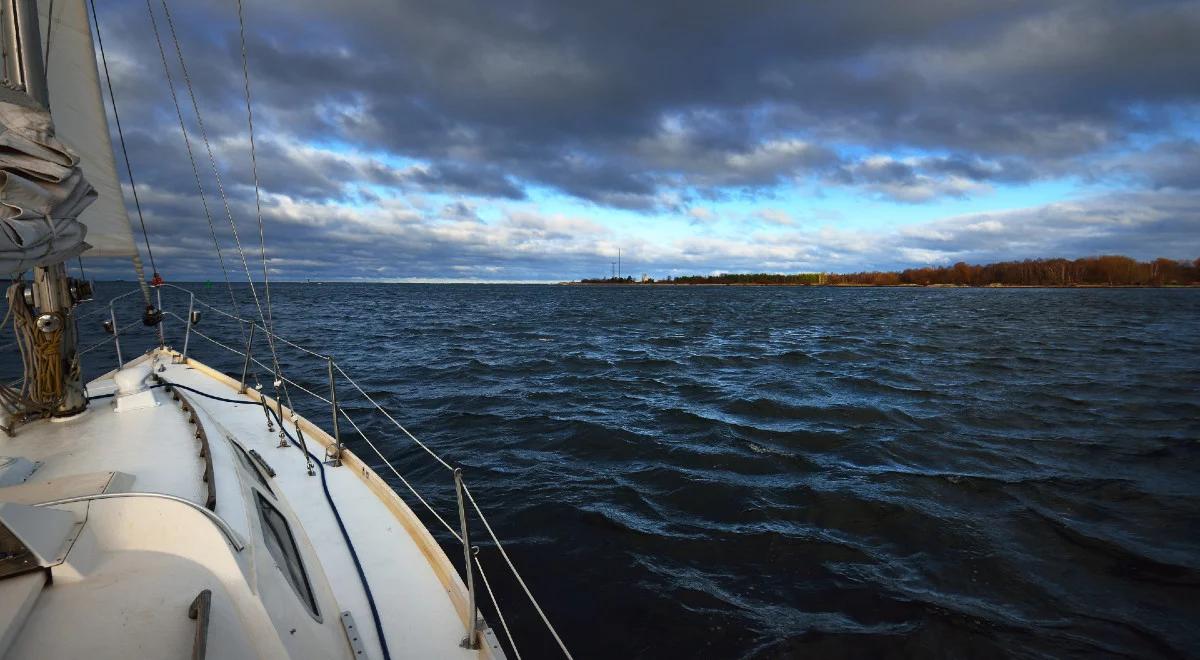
(1167, 165)
(459, 178)
(921, 179)
(538, 87)
(1031, 81)
(648, 106)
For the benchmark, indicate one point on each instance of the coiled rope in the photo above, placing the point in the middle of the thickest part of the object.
(42, 388)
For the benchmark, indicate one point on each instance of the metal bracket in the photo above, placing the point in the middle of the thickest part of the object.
(352, 636)
(261, 463)
(333, 453)
(471, 639)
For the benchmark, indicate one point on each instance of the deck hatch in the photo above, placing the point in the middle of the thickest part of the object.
(15, 557)
(249, 466)
(282, 546)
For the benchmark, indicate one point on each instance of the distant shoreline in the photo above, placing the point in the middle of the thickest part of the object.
(1193, 285)
(1103, 271)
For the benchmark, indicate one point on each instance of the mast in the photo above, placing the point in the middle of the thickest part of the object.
(23, 65)
(52, 294)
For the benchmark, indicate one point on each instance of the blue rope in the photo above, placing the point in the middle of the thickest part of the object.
(362, 576)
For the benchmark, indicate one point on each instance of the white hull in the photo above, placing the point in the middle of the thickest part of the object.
(122, 572)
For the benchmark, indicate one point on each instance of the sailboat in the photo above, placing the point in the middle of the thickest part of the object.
(166, 508)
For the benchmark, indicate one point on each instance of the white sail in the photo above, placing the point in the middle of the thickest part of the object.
(80, 121)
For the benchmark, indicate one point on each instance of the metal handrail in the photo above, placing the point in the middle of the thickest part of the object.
(464, 495)
(228, 531)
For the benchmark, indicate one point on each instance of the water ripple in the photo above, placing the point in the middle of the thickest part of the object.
(792, 472)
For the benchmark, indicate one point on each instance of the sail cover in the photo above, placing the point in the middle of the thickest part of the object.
(80, 121)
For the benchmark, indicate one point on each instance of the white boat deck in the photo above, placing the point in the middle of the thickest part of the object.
(125, 584)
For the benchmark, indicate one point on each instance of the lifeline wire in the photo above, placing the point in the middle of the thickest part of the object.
(470, 497)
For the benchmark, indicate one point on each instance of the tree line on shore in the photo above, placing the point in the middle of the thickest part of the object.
(1106, 270)
(1110, 270)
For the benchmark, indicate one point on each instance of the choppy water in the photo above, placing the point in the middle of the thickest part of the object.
(796, 472)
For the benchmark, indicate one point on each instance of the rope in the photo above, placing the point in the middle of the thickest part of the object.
(112, 98)
(337, 516)
(41, 360)
(15, 400)
(516, 574)
(43, 367)
(191, 157)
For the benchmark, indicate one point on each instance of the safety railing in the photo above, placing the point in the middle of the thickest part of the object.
(466, 501)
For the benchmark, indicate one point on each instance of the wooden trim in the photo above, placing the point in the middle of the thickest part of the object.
(210, 479)
(200, 611)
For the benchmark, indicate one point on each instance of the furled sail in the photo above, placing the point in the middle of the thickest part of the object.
(80, 121)
(58, 182)
(42, 191)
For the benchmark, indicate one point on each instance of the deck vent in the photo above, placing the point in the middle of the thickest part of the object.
(133, 389)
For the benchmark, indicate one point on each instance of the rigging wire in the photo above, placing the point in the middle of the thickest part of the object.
(278, 381)
(49, 35)
(269, 321)
(262, 241)
(192, 158)
(112, 98)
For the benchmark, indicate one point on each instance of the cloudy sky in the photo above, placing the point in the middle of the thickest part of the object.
(530, 140)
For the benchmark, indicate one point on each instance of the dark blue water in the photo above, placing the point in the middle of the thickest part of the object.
(792, 472)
